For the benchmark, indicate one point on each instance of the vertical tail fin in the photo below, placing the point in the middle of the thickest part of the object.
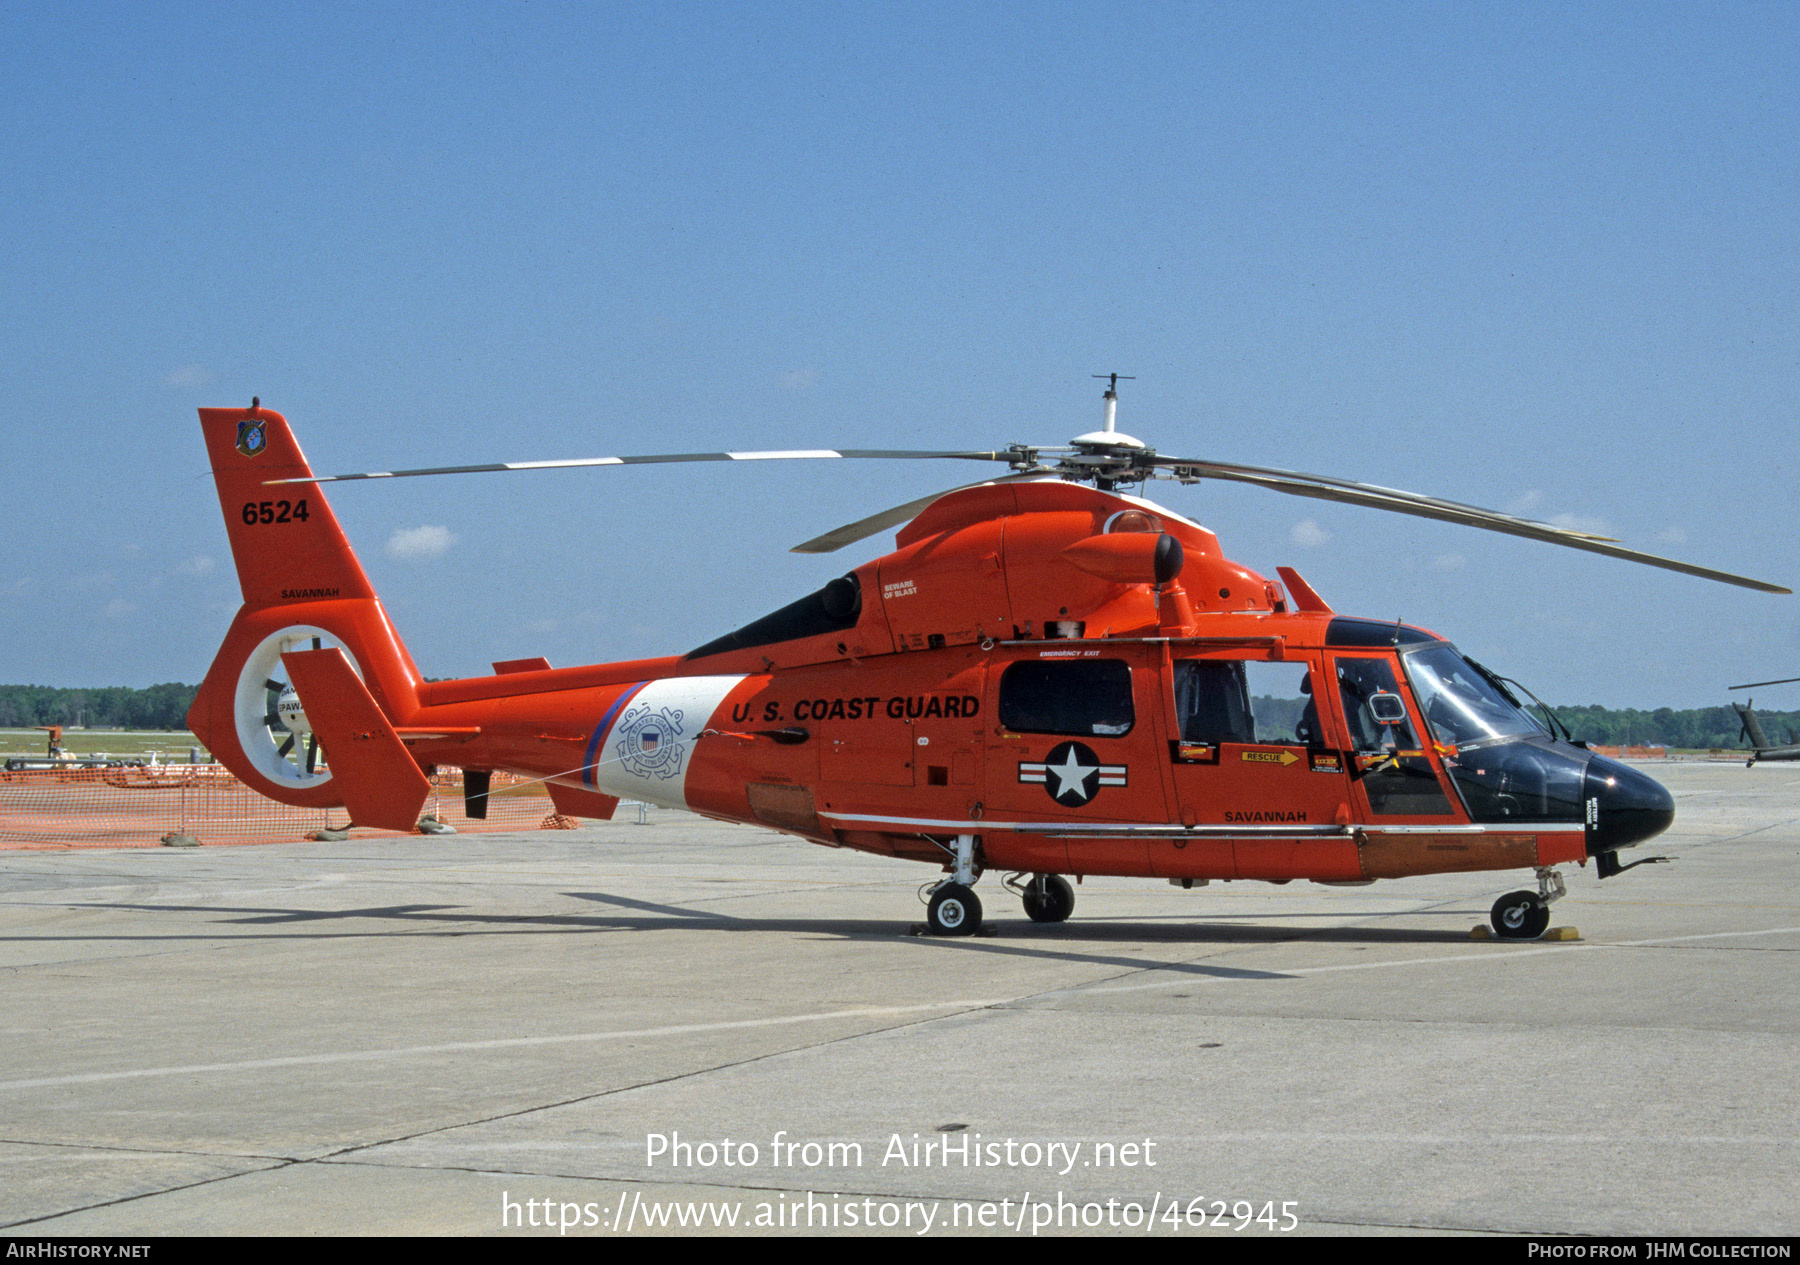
(285, 540)
(1752, 727)
(303, 589)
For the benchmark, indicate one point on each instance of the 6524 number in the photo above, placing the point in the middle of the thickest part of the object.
(256, 512)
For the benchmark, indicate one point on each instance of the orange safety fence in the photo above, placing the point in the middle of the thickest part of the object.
(139, 807)
(1633, 753)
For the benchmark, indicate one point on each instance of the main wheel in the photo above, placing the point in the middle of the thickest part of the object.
(1521, 916)
(1049, 898)
(954, 911)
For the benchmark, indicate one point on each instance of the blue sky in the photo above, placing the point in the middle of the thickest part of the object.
(1535, 257)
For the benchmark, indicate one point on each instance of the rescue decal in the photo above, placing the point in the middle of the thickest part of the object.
(1193, 752)
(1283, 758)
(645, 742)
(1072, 774)
(1326, 761)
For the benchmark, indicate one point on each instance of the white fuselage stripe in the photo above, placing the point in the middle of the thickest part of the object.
(1178, 828)
(648, 750)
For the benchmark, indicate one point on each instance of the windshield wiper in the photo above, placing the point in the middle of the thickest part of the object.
(1554, 719)
(1501, 682)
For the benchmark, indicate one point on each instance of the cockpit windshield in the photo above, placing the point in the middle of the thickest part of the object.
(1461, 704)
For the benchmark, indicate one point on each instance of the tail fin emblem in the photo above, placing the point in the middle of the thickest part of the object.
(250, 438)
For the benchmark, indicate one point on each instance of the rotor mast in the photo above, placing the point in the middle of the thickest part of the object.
(1112, 399)
(1107, 456)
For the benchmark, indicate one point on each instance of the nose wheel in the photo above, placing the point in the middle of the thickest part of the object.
(1520, 916)
(1526, 915)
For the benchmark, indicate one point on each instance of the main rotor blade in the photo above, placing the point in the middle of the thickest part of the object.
(1786, 680)
(1324, 488)
(799, 454)
(863, 528)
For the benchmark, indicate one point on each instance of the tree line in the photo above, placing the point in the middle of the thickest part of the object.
(1695, 728)
(108, 707)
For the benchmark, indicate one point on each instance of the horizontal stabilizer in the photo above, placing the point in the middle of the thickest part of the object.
(379, 782)
(571, 802)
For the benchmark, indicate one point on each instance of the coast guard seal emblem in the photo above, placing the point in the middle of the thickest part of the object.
(250, 438)
(650, 742)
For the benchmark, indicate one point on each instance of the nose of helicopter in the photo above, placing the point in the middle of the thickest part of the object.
(1624, 807)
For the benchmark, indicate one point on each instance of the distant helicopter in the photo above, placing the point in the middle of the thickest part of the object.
(1048, 677)
(1751, 728)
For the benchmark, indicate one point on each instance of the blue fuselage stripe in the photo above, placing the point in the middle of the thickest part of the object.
(587, 763)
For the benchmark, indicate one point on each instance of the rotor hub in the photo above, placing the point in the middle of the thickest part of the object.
(291, 713)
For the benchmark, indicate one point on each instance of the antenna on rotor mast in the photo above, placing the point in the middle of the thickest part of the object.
(1112, 397)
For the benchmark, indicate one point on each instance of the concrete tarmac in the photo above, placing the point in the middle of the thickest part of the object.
(505, 1033)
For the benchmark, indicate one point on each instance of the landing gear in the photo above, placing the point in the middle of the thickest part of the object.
(1526, 915)
(954, 911)
(1048, 898)
(1521, 916)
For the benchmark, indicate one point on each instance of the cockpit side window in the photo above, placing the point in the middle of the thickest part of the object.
(1360, 683)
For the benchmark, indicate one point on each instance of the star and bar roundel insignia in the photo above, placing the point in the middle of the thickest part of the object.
(1072, 774)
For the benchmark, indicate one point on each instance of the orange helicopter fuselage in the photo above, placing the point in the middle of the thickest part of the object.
(1022, 668)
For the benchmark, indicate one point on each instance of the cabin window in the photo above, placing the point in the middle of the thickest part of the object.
(1246, 701)
(1090, 698)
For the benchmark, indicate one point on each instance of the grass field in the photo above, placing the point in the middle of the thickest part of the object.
(168, 744)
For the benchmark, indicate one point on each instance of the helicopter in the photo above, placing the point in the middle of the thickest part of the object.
(1750, 727)
(1049, 677)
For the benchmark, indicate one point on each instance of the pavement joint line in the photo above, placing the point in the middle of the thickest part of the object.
(146, 1194)
(505, 1043)
(606, 1093)
(102, 1150)
(686, 1182)
(56, 963)
(1469, 1137)
(921, 1009)
(852, 1194)
(1500, 953)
